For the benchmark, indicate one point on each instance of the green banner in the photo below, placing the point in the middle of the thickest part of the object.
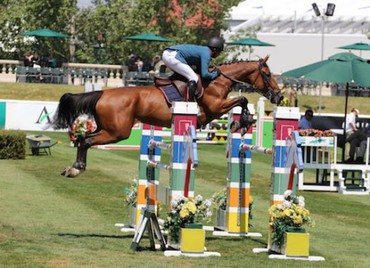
(2, 114)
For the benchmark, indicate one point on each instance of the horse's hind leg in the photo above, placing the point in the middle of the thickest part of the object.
(80, 164)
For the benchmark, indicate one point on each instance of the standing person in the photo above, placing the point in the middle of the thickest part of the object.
(179, 58)
(305, 122)
(351, 122)
(350, 130)
(139, 63)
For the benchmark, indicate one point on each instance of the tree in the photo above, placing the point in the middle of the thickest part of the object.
(97, 32)
(183, 21)
(26, 15)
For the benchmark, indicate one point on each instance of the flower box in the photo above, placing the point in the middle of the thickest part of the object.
(220, 219)
(296, 244)
(133, 216)
(193, 239)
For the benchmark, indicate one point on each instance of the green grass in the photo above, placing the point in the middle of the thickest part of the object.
(47, 220)
(52, 92)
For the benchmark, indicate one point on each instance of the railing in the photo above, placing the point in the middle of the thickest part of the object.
(75, 73)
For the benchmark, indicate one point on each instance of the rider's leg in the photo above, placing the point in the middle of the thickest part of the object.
(169, 58)
(192, 86)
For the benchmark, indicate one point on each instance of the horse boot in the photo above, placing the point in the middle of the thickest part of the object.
(192, 86)
(246, 121)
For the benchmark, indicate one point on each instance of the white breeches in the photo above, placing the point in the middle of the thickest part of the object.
(169, 58)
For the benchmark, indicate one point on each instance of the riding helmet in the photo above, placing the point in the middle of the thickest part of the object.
(216, 42)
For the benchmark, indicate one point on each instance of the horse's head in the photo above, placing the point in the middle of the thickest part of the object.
(263, 82)
(256, 74)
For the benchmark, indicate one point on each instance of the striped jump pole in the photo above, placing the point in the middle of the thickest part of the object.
(238, 181)
(285, 122)
(148, 175)
(183, 149)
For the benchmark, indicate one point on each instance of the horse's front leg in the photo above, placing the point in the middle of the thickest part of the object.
(79, 165)
(246, 118)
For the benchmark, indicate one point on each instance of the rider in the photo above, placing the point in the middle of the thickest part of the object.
(179, 58)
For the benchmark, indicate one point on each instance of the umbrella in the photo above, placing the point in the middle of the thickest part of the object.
(339, 68)
(45, 33)
(342, 68)
(147, 37)
(250, 42)
(357, 46)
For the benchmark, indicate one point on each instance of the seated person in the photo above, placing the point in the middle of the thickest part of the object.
(305, 122)
(358, 139)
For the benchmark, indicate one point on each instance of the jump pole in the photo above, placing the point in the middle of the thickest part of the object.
(184, 122)
(235, 220)
(148, 179)
(286, 161)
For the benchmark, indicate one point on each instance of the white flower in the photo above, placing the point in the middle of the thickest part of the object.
(198, 198)
(208, 203)
(287, 204)
(301, 201)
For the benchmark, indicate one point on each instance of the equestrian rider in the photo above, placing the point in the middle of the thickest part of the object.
(179, 58)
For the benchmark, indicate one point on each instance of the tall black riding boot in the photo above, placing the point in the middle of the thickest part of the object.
(192, 86)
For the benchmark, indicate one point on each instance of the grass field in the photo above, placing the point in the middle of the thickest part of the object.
(47, 220)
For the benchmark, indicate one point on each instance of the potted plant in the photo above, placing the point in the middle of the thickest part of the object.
(130, 200)
(219, 202)
(290, 216)
(185, 211)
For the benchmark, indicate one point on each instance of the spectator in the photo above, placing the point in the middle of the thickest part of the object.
(358, 139)
(351, 122)
(350, 130)
(305, 122)
(132, 67)
(158, 65)
(139, 63)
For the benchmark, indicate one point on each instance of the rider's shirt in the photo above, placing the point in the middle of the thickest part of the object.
(199, 56)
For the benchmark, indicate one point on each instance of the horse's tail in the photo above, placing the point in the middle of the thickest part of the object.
(72, 105)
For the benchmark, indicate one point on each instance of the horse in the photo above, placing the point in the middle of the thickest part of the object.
(116, 110)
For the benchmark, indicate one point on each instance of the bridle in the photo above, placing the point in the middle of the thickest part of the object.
(266, 77)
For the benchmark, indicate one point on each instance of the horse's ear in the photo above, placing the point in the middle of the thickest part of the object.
(265, 58)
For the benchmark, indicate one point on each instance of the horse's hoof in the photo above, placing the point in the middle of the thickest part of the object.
(72, 172)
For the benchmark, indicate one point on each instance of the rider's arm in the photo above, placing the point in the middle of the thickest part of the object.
(204, 65)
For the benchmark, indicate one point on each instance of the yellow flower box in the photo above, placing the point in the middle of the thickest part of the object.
(192, 240)
(296, 244)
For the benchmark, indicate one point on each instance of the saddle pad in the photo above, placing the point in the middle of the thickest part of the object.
(171, 94)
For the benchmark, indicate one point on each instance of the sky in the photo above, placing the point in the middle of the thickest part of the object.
(83, 3)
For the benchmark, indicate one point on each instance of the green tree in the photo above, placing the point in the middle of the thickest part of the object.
(26, 15)
(183, 21)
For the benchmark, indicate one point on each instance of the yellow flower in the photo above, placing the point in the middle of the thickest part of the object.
(191, 207)
(297, 220)
(184, 213)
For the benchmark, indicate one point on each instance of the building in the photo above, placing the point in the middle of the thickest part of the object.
(297, 33)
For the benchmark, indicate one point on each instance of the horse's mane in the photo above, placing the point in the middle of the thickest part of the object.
(235, 61)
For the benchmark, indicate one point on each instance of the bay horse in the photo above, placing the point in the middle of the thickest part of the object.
(116, 110)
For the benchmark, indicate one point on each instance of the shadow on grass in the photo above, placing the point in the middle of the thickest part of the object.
(94, 235)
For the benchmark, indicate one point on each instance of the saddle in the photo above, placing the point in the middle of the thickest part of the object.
(175, 88)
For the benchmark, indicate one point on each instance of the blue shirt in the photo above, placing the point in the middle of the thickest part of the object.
(199, 56)
(304, 123)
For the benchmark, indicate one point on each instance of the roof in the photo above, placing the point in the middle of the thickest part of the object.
(351, 17)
